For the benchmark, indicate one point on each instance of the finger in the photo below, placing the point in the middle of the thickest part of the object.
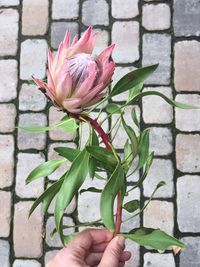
(126, 255)
(93, 258)
(113, 252)
(121, 264)
(84, 241)
(100, 247)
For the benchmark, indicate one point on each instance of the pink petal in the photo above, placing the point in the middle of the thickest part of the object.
(51, 85)
(95, 100)
(105, 55)
(64, 87)
(40, 83)
(75, 40)
(50, 59)
(88, 48)
(66, 41)
(93, 92)
(107, 73)
(71, 103)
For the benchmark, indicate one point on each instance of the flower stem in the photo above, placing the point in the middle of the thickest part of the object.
(106, 140)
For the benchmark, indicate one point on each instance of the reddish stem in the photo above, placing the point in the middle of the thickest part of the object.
(105, 138)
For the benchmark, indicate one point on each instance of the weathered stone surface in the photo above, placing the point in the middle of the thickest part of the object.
(186, 17)
(161, 141)
(50, 255)
(161, 170)
(95, 12)
(58, 30)
(8, 32)
(30, 98)
(155, 109)
(126, 37)
(158, 260)
(56, 134)
(8, 81)
(25, 164)
(124, 9)
(27, 231)
(10, 3)
(187, 66)
(5, 252)
(101, 41)
(7, 118)
(135, 250)
(65, 9)
(33, 59)
(191, 255)
(6, 160)
(35, 17)
(50, 225)
(28, 140)
(188, 201)
(188, 152)
(160, 214)
(157, 49)
(188, 120)
(25, 263)
(5, 213)
(156, 17)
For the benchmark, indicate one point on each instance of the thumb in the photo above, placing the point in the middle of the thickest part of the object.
(113, 252)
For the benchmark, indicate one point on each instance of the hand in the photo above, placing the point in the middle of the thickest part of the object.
(93, 248)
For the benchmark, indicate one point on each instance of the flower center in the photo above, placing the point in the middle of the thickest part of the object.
(78, 65)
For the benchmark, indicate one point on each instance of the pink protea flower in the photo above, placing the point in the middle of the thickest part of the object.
(76, 79)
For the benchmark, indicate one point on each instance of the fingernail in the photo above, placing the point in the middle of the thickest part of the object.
(121, 241)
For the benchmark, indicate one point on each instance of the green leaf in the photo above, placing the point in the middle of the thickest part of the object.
(72, 182)
(113, 186)
(113, 108)
(67, 152)
(134, 91)
(92, 160)
(132, 79)
(132, 205)
(47, 196)
(134, 118)
(154, 238)
(91, 189)
(104, 156)
(67, 124)
(168, 100)
(35, 128)
(44, 169)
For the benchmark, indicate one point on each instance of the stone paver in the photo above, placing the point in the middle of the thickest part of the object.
(35, 17)
(50, 225)
(58, 30)
(188, 121)
(33, 59)
(8, 81)
(191, 255)
(161, 141)
(158, 260)
(157, 49)
(126, 37)
(5, 252)
(5, 213)
(161, 170)
(101, 42)
(187, 152)
(27, 231)
(27, 139)
(50, 255)
(25, 164)
(155, 109)
(160, 214)
(187, 66)
(65, 9)
(7, 118)
(188, 202)
(30, 98)
(25, 263)
(124, 9)
(5, 3)
(186, 17)
(95, 12)
(135, 250)
(6, 160)
(8, 32)
(156, 17)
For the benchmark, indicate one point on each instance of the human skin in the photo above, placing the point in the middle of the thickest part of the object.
(92, 248)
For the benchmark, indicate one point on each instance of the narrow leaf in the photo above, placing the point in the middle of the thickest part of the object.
(113, 108)
(132, 205)
(132, 79)
(108, 195)
(67, 152)
(35, 128)
(91, 189)
(154, 238)
(44, 169)
(67, 124)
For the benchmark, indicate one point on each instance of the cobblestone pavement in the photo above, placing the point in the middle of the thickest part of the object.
(145, 32)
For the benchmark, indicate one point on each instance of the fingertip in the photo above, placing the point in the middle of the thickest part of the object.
(126, 255)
